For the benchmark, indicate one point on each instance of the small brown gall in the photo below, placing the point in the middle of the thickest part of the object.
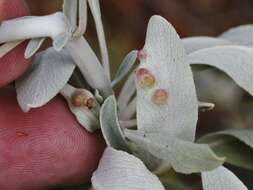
(91, 103)
(141, 55)
(82, 99)
(160, 97)
(79, 99)
(145, 78)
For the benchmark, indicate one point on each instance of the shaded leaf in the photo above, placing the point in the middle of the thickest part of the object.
(33, 46)
(236, 61)
(51, 70)
(221, 179)
(185, 157)
(82, 22)
(120, 170)
(192, 44)
(126, 65)
(89, 65)
(95, 10)
(70, 11)
(166, 60)
(241, 35)
(126, 93)
(235, 144)
(110, 125)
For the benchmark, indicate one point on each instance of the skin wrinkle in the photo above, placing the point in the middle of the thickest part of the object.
(56, 150)
(13, 64)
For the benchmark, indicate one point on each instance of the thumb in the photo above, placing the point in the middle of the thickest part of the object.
(13, 64)
(44, 148)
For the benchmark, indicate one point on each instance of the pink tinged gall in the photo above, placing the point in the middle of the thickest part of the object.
(141, 55)
(160, 97)
(145, 78)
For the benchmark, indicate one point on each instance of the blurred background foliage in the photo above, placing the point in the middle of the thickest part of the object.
(125, 24)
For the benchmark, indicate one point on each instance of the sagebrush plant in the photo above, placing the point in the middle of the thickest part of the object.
(150, 127)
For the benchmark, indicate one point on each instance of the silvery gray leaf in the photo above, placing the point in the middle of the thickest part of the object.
(88, 118)
(237, 152)
(241, 35)
(166, 60)
(119, 170)
(82, 16)
(95, 10)
(60, 41)
(192, 44)
(221, 179)
(33, 46)
(244, 135)
(126, 93)
(50, 72)
(185, 157)
(7, 47)
(70, 11)
(89, 65)
(126, 65)
(110, 125)
(236, 61)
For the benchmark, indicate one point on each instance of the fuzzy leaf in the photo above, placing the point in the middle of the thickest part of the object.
(235, 151)
(192, 44)
(235, 144)
(110, 125)
(185, 157)
(33, 46)
(126, 93)
(70, 11)
(241, 35)
(221, 179)
(82, 24)
(236, 61)
(126, 65)
(95, 10)
(88, 118)
(166, 60)
(50, 72)
(89, 65)
(60, 41)
(120, 170)
(7, 47)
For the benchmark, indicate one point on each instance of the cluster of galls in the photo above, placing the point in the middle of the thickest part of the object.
(147, 80)
(82, 99)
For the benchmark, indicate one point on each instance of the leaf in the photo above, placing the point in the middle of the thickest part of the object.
(236, 61)
(33, 46)
(110, 125)
(126, 65)
(89, 65)
(236, 145)
(82, 24)
(126, 93)
(60, 41)
(239, 35)
(221, 179)
(192, 44)
(7, 47)
(185, 157)
(95, 10)
(70, 11)
(50, 72)
(120, 170)
(87, 117)
(166, 60)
